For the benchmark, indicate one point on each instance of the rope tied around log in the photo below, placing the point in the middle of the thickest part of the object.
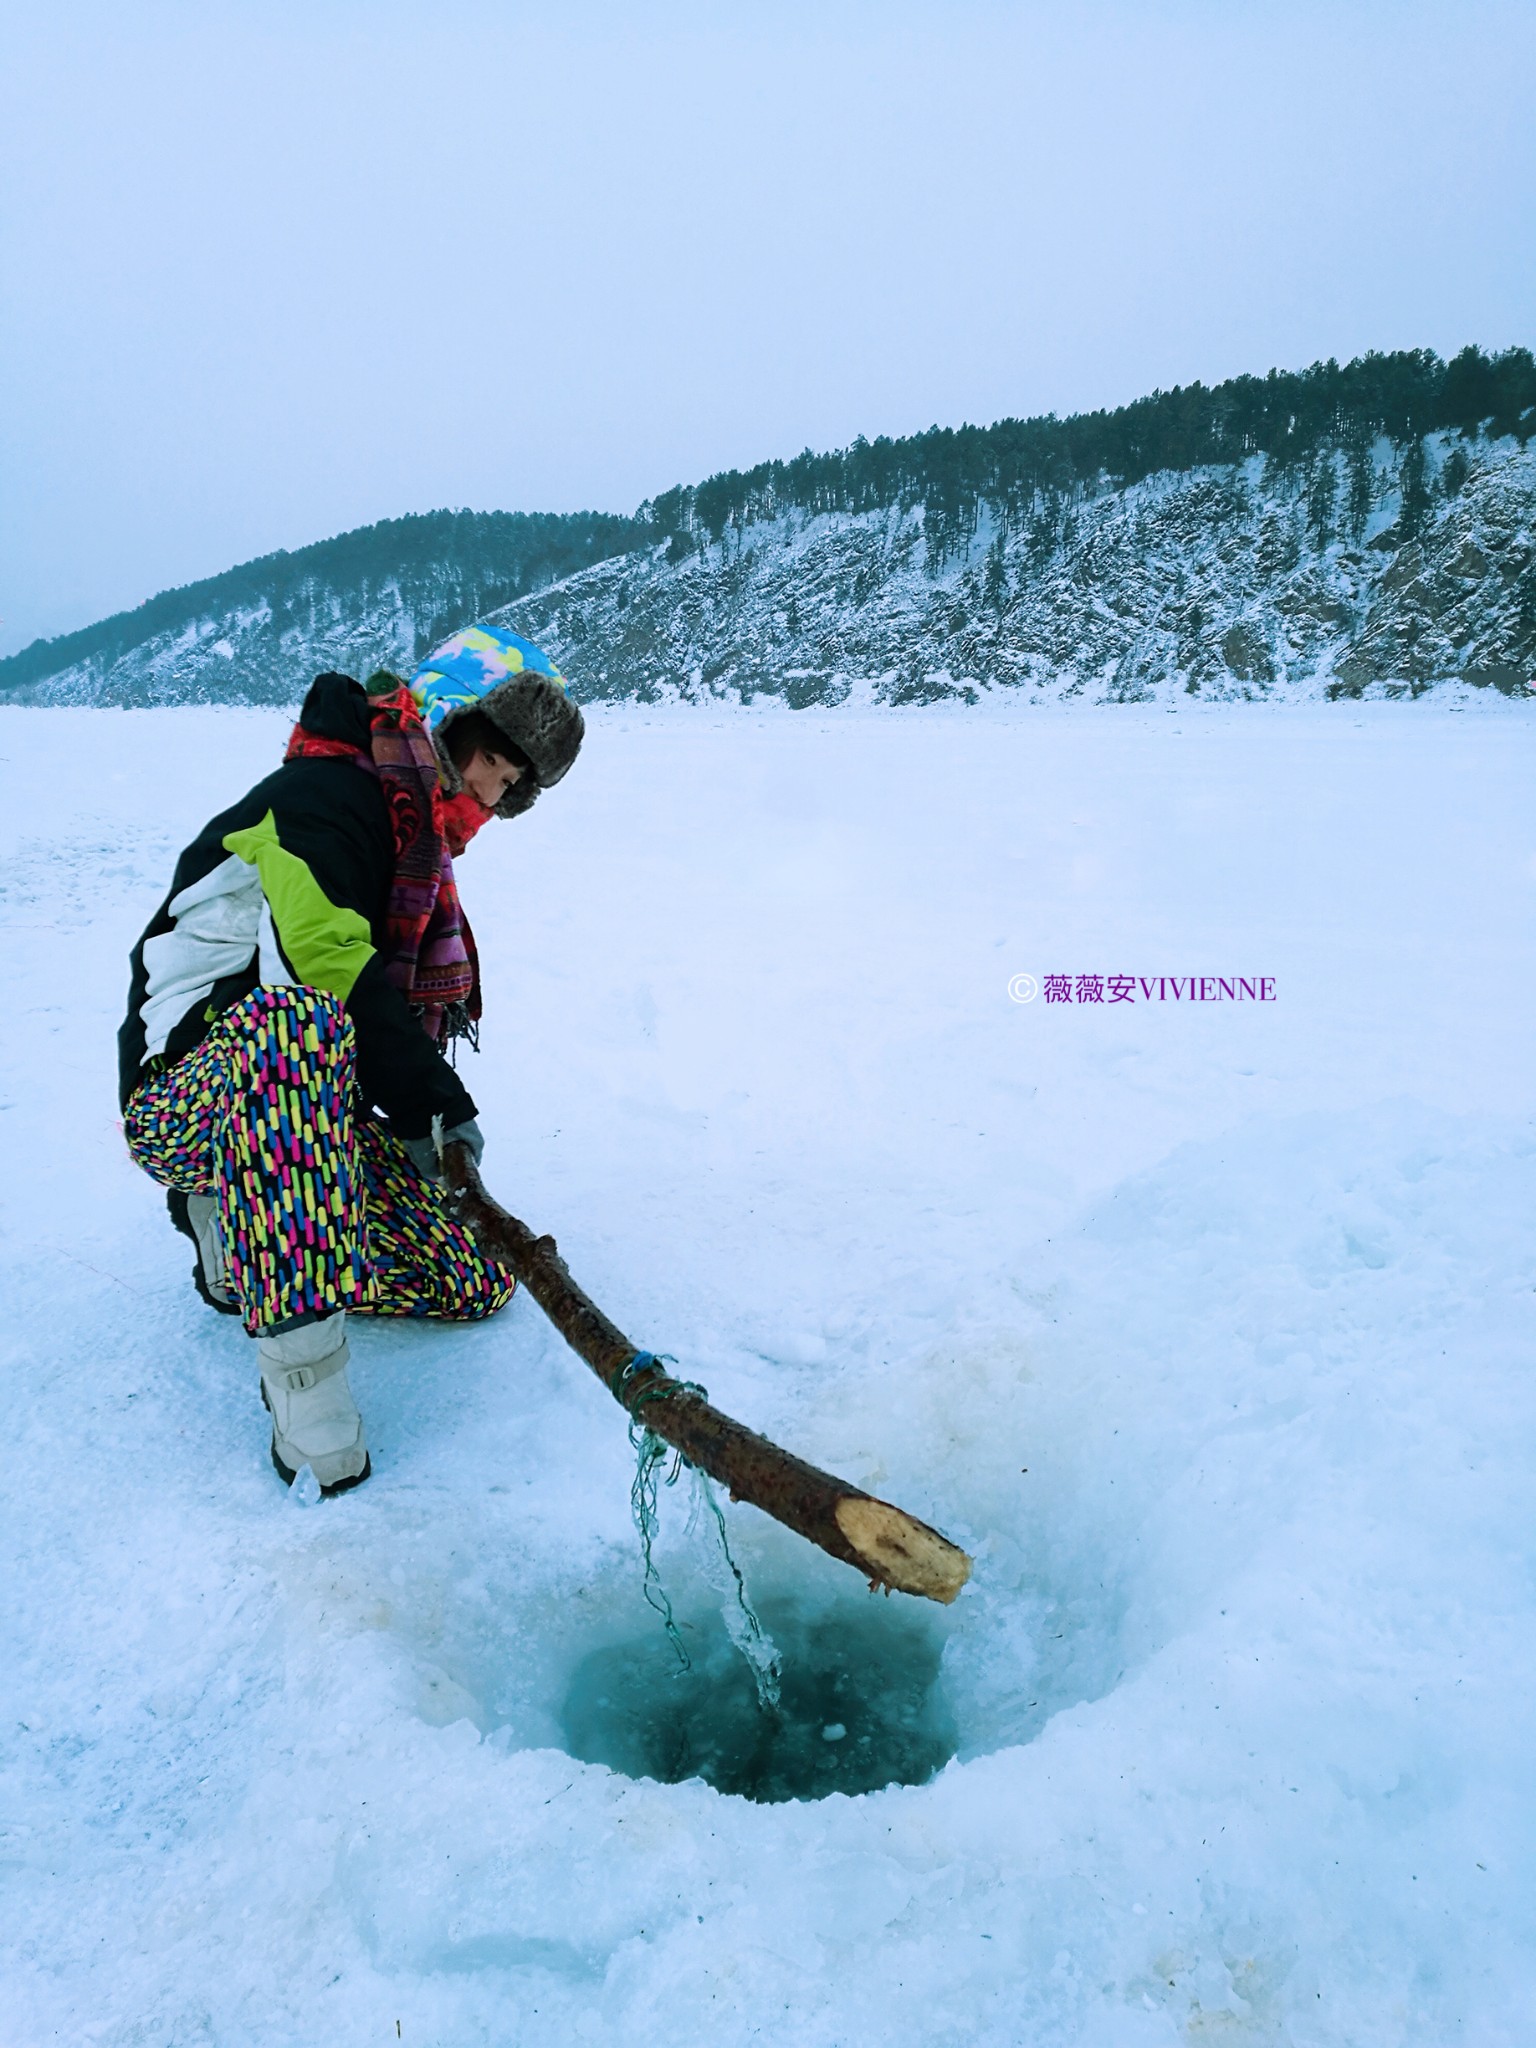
(626, 1390)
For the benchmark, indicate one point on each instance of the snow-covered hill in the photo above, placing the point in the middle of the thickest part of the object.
(1217, 583)
(1263, 579)
(366, 599)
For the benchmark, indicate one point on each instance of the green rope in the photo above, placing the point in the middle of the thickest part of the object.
(650, 1453)
(742, 1624)
(745, 1630)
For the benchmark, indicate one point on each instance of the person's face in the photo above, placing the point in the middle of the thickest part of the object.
(489, 776)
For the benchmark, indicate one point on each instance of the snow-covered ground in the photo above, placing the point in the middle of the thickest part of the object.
(1207, 1329)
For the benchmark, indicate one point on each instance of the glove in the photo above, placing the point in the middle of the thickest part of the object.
(424, 1154)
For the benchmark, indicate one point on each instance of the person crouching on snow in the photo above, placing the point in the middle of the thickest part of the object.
(282, 1060)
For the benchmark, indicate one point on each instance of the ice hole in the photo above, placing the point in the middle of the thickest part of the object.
(860, 1706)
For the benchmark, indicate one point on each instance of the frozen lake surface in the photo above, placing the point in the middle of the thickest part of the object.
(1207, 1327)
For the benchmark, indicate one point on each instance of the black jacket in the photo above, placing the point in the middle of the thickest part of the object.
(291, 884)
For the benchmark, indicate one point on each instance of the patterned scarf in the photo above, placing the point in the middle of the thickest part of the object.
(431, 954)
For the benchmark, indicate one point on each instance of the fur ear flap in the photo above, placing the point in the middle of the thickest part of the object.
(521, 797)
(540, 719)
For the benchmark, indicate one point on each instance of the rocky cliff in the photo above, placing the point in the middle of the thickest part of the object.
(1234, 582)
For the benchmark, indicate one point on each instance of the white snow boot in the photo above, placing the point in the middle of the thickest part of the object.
(197, 1217)
(203, 1215)
(314, 1417)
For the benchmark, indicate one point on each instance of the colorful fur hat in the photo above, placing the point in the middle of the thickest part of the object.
(516, 686)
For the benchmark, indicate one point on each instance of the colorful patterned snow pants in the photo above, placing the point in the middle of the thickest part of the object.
(318, 1210)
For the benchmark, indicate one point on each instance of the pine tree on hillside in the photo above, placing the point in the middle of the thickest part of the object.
(1415, 489)
(1362, 487)
(995, 580)
(1322, 496)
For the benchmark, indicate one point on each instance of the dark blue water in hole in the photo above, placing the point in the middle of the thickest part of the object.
(859, 1707)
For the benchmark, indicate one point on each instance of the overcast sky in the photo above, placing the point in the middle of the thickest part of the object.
(270, 272)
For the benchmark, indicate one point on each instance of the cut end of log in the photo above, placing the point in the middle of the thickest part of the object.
(902, 1552)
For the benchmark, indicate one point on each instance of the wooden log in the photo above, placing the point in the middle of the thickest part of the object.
(891, 1548)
